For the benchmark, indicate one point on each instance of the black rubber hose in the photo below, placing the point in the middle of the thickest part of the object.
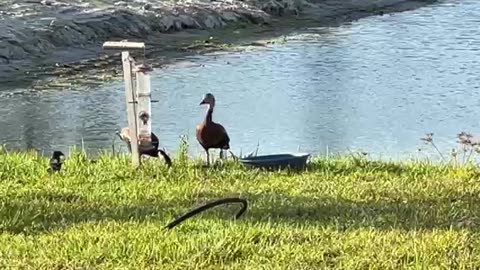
(208, 206)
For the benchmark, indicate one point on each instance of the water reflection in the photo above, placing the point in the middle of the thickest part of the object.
(376, 85)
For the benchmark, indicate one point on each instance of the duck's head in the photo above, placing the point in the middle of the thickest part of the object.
(208, 99)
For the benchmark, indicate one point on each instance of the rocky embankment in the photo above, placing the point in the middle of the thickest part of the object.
(44, 32)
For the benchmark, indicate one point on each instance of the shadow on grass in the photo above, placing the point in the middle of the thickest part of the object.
(42, 212)
(357, 165)
(460, 212)
(39, 212)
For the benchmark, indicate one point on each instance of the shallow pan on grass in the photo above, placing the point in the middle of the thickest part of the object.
(277, 161)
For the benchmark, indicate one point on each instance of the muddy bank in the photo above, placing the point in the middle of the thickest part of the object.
(38, 35)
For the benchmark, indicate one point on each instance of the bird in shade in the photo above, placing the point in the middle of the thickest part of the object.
(56, 161)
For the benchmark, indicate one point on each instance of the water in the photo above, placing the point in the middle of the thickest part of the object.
(376, 85)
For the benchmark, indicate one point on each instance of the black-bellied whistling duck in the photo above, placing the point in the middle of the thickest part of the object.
(211, 135)
(153, 152)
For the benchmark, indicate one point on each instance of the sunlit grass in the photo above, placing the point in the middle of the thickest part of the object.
(343, 213)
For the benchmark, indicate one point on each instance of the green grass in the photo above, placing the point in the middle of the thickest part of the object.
(342, 213)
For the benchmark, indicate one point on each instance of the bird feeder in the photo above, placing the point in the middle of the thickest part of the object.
(137, 97)
(144, 112)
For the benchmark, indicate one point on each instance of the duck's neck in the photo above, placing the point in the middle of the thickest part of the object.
(208, 117)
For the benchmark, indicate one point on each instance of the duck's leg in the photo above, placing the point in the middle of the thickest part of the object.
(208, 158)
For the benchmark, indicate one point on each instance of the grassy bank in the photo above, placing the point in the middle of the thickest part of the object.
(347, 213)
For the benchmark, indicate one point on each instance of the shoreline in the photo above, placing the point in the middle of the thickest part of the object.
(66, 61)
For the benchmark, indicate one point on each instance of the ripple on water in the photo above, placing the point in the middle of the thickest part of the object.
(375, 85)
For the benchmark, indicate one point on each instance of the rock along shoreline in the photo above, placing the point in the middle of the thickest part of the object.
(36, 33)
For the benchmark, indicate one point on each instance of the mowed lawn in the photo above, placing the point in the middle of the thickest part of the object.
(342, 213)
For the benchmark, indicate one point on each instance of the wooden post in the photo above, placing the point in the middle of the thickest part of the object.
(130, 96)
(131, 107)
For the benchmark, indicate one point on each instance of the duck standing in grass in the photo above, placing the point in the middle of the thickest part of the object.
(124, 135)
(211, 135)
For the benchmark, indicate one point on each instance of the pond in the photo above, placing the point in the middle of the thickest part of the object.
(376, 85)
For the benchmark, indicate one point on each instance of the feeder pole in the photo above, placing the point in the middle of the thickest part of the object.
(130, 96)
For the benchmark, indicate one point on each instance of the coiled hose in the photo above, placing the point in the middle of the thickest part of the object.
(207, 206)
